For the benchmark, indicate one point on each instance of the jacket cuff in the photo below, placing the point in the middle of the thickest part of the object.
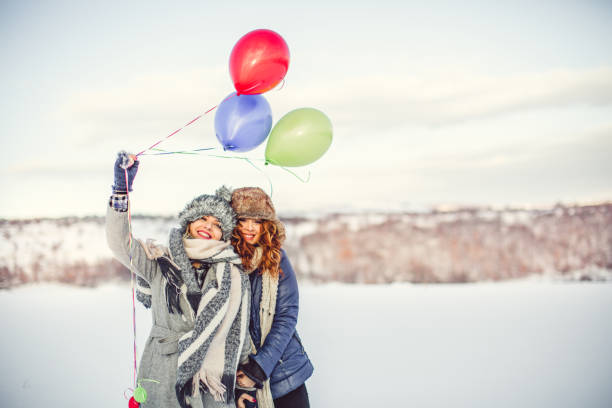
(252, 370)
(118, 202)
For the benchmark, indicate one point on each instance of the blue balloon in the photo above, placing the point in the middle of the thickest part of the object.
(242, 122)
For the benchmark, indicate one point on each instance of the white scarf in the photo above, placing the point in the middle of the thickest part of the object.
(267, 308)
(203, 248)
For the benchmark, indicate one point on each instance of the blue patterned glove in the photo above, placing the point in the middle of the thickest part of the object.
(124, 161)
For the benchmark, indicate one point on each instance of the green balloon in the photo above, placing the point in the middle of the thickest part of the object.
(140, 394)
(299, 138)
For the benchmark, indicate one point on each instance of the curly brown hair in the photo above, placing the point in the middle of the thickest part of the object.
(270, 243)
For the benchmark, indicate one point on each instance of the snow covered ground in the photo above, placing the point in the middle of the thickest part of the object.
(518, 344)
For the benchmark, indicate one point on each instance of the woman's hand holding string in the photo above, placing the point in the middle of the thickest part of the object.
(125, 162)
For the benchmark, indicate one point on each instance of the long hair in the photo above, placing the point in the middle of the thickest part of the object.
(270, 244)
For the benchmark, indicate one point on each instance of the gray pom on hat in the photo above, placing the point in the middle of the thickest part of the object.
(217, 205)
(224, 193)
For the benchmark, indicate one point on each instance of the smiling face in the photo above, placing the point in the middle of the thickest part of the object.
(207, 227)
(250, 230)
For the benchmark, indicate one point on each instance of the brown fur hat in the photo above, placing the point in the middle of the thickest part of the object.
(253, 202)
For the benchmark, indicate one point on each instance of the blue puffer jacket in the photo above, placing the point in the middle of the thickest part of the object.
(282, 356)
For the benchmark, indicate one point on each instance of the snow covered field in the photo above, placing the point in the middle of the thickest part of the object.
(517, 344)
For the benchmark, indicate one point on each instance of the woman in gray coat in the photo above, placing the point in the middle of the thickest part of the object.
(198, 295)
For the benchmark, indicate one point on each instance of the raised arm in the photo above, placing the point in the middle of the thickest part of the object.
(117, 224)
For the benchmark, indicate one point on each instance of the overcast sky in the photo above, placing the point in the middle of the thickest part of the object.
(432, 103)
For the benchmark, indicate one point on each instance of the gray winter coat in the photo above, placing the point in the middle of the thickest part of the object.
(159, 358)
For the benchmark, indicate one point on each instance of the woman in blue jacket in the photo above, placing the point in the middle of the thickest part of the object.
(278, 366)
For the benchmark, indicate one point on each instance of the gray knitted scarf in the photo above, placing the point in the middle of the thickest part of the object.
(209, 353)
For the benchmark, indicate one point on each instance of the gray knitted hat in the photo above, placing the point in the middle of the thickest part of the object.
(217, 205)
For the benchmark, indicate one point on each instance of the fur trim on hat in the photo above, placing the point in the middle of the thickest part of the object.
(253, 202)
(216, 205)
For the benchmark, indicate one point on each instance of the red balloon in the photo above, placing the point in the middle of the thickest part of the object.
(258, 62)
(133, 403)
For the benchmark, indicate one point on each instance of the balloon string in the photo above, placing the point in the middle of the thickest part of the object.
(149, 380)
(126, 390)
(184, 126)
(163, 152)
(296, 176)
(248, 160)
(129, 211)
(220, 156)
(265, 174)
(282, 85)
